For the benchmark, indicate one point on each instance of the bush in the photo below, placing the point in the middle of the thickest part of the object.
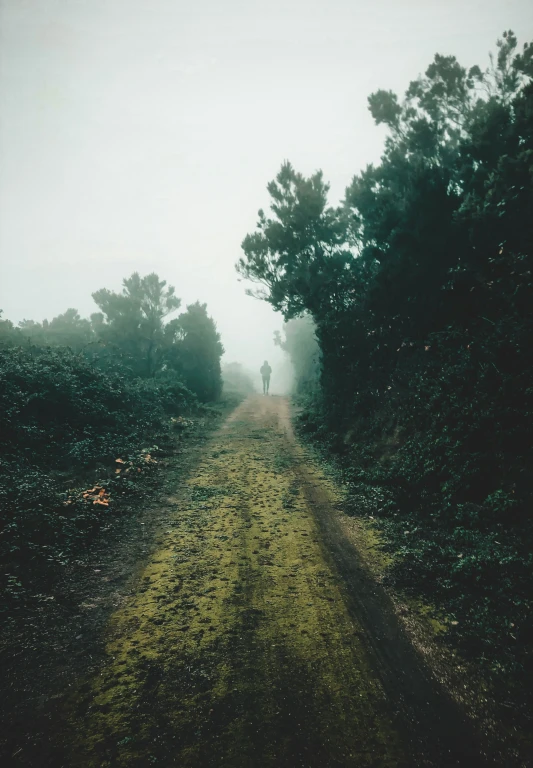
(59, 414)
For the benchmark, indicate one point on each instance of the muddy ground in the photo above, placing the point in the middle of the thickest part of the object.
(238, 622)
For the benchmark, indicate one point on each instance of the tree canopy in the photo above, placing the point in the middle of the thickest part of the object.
(199, 353)
(420, 287)
(133, 320)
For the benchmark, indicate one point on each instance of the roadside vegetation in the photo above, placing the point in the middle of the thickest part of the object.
(88, 407)
(409, 324)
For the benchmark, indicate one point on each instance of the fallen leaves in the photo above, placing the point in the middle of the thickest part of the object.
(98, 495)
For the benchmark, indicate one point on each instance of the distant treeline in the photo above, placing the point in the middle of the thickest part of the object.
(237, 379)
(131, 331)
(76, 395)
(418, 291)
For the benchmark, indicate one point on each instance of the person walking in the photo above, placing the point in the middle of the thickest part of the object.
(266, 370)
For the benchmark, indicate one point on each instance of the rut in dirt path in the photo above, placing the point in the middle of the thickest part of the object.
(255, 637)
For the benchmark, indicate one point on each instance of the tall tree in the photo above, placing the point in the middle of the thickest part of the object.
(422, 306)
(300, 253)
(133, 321)
(198, 355)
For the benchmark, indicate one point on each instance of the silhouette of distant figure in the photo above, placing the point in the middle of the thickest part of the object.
(266, 370)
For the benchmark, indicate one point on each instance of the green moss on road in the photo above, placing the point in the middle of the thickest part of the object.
(237, 648)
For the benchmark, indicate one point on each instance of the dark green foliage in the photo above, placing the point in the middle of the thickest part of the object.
(199, 353)
(132, 321)
(166, 391)
(75, 395)
(421, 287)
(299, 255)
(134, 329)
(61, 423)
(53, 401)
(131, 335)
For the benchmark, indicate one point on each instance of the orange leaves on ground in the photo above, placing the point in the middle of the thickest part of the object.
(98, 495)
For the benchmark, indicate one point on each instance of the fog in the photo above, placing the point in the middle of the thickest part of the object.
(140, 136)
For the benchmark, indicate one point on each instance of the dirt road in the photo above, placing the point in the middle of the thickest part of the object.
(256, 636)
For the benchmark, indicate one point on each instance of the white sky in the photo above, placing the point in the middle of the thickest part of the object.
(141, 134)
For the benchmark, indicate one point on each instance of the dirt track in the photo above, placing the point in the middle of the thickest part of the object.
(256, 637)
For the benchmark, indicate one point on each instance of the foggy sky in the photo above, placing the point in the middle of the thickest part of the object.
(140, 134)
